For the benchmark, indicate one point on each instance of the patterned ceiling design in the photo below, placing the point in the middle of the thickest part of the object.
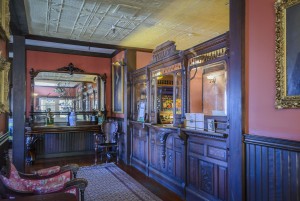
(132, 23)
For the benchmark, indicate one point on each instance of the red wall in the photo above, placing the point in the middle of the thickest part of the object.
(262, 117)
(51, 61)
(143, 59)
(3, 122)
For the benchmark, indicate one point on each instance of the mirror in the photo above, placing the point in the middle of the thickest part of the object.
(208, 89)
(166, 98)
(62, 92)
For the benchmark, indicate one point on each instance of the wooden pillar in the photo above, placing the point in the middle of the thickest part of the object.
(130, 61)
(19, 101)
(236, 160)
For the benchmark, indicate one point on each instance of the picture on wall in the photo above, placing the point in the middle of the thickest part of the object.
(117, 87)
(287, 54)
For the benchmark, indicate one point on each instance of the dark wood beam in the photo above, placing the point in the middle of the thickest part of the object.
(18, 21)
(84, 43)
(236, 73)
(67, 51)
(19, 102)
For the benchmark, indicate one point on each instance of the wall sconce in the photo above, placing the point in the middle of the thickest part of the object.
(211, 78)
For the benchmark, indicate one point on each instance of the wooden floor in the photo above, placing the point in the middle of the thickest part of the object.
(150, 184)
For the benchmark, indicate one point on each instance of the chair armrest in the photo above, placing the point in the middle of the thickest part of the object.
(70, 167)
(80, 183)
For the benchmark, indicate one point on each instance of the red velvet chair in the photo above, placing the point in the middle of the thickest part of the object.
(45, 181)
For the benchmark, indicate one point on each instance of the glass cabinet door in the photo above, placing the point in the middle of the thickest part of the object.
(140, 97)
(153, 101)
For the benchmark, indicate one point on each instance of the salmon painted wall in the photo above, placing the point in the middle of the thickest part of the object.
(263, 119)
(119, 57)
(51, 61)
(3, 121)
(143, 59)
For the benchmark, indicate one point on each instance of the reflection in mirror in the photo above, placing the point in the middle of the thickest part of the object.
(140, 94)
(63, 92)
(208, 89)
(164, 101)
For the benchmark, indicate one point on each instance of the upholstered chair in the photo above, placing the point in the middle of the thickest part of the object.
(49, 180)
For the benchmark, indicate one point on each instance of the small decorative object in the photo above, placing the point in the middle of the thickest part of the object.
(100, 118)
(72, 119)
(49, 117)
(141, 111)
(211, 125)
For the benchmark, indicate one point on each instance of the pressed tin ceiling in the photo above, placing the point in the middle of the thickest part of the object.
(130, 23)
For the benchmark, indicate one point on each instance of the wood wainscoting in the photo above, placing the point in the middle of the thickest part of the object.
(272, 169)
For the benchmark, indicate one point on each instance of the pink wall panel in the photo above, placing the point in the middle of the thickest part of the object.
(143, 59)
(262, 117)
(51, 61)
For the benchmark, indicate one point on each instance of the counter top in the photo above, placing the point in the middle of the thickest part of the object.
(62, 129)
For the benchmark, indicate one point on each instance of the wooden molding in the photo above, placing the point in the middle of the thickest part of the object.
(272, 142)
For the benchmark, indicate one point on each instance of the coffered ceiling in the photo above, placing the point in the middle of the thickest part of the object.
(129, 23)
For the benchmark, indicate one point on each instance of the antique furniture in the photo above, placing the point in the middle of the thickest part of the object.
(47, 197)
(107, 141)
(45, 181)
(54, 96)
(190, 160)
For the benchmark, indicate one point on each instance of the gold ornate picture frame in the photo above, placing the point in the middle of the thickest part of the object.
(5, 16)
(117, 87)
(287, 54)
(4, 85)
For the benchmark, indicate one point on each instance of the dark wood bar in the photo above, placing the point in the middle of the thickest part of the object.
(59, 141)
(181, 145)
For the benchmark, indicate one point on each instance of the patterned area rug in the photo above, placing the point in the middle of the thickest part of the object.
(109, 183)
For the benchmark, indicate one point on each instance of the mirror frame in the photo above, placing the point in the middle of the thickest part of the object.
(70, 69)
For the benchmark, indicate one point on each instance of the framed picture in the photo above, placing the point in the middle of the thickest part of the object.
(5, 17)
(287, 54)
(4, 85)
(141, 111)
(117, 87)
(211, 125)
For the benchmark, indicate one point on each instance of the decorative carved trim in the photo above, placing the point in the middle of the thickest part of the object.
(213, 44)
(206, 177)
(5, 17)
(163, 51)
(209, 56)
(4, 85)
(272, 142)
(166, 70)
(282, 100)
(71, 69)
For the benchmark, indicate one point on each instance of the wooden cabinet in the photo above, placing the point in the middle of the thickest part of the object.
(139, 149)
(166, 156)
(206, 166)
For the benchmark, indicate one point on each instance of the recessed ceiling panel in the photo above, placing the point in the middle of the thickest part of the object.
(132, 23)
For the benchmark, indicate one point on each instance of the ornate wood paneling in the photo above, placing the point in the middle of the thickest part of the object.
(167, 158)
(206, 167)
(272, 169)
(64, 144)
(139, 146)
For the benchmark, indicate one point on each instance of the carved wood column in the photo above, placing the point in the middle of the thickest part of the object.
(19, 101)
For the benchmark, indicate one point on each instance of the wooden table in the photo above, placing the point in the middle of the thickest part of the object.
(48, 197)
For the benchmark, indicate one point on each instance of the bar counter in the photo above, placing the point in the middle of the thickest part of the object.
(59, 141)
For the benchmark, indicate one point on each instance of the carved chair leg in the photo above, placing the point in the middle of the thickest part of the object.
(81, 195)
(96, 149)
